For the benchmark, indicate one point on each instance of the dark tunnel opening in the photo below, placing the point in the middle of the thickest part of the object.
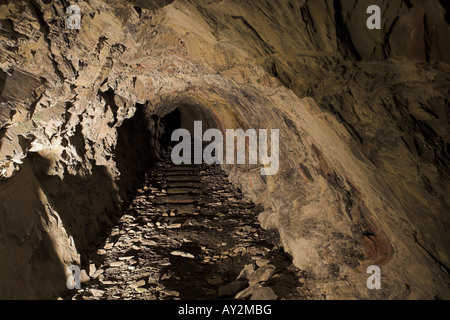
(170, 122)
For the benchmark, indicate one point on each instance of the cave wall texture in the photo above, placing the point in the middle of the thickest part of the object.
(363, 118)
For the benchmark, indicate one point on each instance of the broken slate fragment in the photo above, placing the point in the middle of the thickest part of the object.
(262, 274)
(263, 293)
(246, 272)
(182, 254)
(137, 284)
(231, 289)
(84, 276)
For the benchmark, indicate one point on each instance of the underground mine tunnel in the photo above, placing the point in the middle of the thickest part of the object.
(93, 206)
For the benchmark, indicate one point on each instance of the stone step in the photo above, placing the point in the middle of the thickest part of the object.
(175, 200)
(178, 191)
(183, 178)
(183, 167)
(184, 184)
(181, 173)
(182, 208)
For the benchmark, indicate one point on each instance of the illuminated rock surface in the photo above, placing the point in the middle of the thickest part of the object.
(363, 118)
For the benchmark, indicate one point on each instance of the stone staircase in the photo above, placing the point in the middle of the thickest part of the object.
(190, 234)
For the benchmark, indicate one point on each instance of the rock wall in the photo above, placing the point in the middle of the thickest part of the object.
(363, 119)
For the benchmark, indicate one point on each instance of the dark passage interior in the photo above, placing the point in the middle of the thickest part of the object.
(182, 232)
(170, 123)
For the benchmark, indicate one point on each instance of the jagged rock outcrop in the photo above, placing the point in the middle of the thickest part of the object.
(363, 116)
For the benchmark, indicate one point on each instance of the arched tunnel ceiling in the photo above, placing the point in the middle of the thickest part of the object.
(363, 122)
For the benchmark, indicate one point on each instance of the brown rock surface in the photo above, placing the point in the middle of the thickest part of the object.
(363, 118)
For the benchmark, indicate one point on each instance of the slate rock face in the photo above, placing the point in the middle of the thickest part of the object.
(363, 119)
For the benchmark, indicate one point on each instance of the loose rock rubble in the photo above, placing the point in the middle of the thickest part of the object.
(190, 234)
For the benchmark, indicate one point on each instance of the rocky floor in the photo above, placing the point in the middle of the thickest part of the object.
(190, 234)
